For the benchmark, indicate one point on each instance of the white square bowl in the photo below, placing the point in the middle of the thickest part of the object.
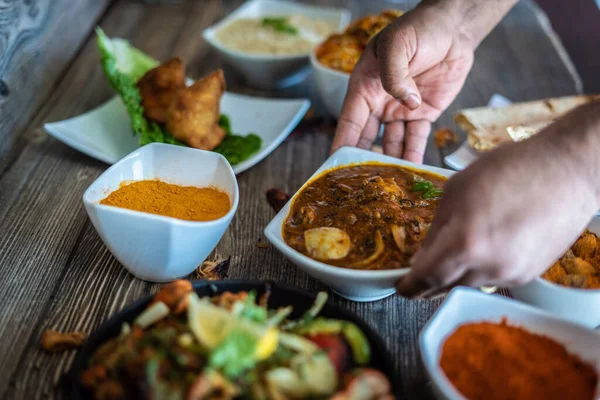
(154, 247)
(266, 70)
(577, 305)
(465, 305)
(353, 284)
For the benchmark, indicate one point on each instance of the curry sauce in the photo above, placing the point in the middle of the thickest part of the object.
(369, 216)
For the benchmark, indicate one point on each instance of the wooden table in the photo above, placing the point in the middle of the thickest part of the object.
(55, 272)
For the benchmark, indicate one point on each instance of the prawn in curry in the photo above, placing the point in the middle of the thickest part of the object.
(368, 216)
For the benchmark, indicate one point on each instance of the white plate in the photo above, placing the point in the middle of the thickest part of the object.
(105, 133)
(353, 284)
(465, 305)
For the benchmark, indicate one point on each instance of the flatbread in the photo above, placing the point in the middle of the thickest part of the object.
(489, 127)
(522, 132)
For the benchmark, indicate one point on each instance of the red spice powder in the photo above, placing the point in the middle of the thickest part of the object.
(501, 362)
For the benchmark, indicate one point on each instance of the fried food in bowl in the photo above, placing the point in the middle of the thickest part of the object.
(334, 59)
(570, 288)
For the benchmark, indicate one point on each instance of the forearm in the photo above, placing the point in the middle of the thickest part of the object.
(474, 19)
(576, 139)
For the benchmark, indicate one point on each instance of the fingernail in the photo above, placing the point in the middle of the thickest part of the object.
(412, 101)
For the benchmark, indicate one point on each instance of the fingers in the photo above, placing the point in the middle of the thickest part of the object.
(436, 266)
(352, 121)
(415, 140)
(369, 133)
(393, 138)
(395, 52)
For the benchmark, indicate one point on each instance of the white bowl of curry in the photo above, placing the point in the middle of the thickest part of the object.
(570, 288)
(356, 223)
(171, 216)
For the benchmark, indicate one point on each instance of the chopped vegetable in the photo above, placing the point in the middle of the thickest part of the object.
(235, 354)
(280, 25)
(353, 335)
(152, 315)
(230, 346)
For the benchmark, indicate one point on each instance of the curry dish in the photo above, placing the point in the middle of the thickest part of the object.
(579, 267)
(368, 216)
(341, 51)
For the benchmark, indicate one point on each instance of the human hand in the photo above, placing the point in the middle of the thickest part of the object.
(407, 76)
(510, 215)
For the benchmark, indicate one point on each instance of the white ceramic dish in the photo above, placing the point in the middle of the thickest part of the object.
(153, 247)
(465, 305)
(576, 305)
(331, 84)
(105, 134)
(357, 285)
(270, 71)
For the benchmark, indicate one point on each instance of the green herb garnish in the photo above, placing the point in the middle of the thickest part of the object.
(427, 188)
(237, 148)
(432, 193)
(421, 186)
(280, 25)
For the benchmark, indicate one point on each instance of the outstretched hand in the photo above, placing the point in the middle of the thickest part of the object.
(407, 76)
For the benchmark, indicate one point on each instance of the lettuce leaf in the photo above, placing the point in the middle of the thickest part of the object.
(123, 65)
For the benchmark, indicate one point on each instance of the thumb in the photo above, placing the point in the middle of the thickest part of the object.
(394, 54)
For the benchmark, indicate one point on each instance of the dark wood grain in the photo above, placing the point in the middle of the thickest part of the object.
(38, 40)
(56, 273)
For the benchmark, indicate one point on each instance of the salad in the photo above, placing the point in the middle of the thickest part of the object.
(232, 346)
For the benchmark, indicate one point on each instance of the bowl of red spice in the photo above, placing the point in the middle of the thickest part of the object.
(162, 209)
(480, 346)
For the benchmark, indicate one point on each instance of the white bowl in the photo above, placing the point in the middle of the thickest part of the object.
(577, 305)
(464, 305)
(353, 284)
(153, 247)
(266, 70)
(332, 85)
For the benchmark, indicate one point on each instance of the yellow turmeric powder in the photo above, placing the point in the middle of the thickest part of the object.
(183, 202)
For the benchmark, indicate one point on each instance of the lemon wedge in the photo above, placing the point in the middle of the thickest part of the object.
(212, 324)
(209, 323)
(267, 344)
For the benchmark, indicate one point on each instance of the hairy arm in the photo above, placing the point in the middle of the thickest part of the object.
(474, 19)
(512, 213)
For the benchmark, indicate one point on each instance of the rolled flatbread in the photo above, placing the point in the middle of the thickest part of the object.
(489, 127)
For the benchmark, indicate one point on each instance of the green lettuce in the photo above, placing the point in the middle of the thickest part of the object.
(123, 66)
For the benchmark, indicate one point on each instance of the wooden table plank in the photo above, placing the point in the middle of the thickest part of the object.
(59, 275)
(35, 49)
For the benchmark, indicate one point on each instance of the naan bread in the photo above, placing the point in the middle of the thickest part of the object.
(488, 127)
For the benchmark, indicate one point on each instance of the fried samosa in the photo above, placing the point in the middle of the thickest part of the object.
(159, 88)
(193, 117)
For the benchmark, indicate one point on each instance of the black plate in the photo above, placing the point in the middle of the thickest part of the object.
(281, 296)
